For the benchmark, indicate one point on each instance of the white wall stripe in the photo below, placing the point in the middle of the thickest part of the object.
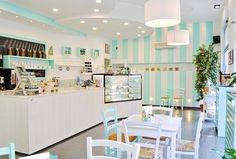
(141, 50)
(130, 53)
(164, 79)
(164, 52)
(176, 79)
(152, 87)
(190, 87)
(152, 49)
(189, 55)
(202, 33)
(177, 49)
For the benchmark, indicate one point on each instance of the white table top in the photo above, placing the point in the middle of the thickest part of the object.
(167, 123)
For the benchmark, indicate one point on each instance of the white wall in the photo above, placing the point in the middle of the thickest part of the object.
(57, 40)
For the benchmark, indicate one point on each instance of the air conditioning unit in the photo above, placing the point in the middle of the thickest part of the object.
(162, 45)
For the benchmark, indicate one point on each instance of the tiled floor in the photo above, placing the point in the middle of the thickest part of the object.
(75, 147)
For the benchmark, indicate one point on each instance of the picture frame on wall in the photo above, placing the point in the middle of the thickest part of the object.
(231, 57)
(107, 48)
(66, 51)
(94, 52)
(80, 51)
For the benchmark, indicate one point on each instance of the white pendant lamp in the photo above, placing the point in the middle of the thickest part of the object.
(178, 37)
(162, 13)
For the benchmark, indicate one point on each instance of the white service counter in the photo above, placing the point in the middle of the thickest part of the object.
(36, 122)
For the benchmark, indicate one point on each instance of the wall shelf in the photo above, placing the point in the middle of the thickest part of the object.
(10, 61)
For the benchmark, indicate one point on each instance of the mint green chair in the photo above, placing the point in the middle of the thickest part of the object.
(109, 117)
(8, 151)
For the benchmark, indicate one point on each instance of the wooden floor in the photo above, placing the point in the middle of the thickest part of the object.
(75, 147)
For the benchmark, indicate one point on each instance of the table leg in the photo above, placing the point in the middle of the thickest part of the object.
(173, 145)
(119, 132)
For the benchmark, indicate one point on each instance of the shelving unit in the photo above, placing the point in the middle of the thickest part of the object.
(10, 61)
(230, 132)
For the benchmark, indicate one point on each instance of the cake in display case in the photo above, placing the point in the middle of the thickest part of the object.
(118, 88)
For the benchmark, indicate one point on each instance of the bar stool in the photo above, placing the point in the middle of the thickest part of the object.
(178, 98)
(166, 96)
(9, 150)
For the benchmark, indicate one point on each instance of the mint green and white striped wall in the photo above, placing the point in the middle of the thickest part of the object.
(140, 54)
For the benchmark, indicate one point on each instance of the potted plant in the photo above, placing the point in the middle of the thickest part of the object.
(206, 62)
(228, 153)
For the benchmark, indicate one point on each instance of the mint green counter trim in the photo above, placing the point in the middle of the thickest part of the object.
(158, 39)
(196, 37)
(183, 84)
(158, 88)
(209, 32)
(114, 44)
(135, 49)
(183, 49)
(170, 82)
(146, 92)
(125, 48)
(147, 49)
(24, 12)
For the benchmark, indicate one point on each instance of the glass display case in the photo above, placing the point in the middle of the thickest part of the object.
(118, 88)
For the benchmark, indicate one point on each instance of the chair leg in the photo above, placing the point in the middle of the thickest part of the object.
(168, 152)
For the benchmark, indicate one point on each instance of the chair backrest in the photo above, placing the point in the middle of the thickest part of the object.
(109, 116)
(179, 92)
(166, 92)
(198, 132)
(139, 129)
(131, 149)
(162, 110)
(45, 155)
(9, 150)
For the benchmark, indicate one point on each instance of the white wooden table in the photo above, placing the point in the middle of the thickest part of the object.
(170, 127)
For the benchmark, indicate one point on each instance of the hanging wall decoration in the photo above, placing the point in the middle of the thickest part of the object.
(66, 51)
(80, 51)
(94, 52)
(231, 57)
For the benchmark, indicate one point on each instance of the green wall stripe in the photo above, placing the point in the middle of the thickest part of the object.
(183, 49)
(196, 44)
(146, 87)
(209, 32)
(170, 80)
(196, 37)
(182, 84)
(146, 49)
(170, 55)
(135, 50)
(125, 48)
(158, 37)
(158, 88)
(114, 44)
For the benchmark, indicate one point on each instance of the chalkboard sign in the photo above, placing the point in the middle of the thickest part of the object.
(17, 47)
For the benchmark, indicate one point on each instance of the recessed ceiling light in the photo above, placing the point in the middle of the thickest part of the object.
(139, 27)
(96, 10)
(17, 16)
(98, 1)
(139, 35)
(217, 6)
(94, 28)
(118, 33)
(31, 21)
(143, 31)
(105, 21)
(0, 11)
(82, 21)
(55, 9)
(126, 23)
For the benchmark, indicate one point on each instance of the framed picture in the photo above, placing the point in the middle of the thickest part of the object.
(231, 57)
(94, 52)
(66, 51)
(80, 51)
(107, 48)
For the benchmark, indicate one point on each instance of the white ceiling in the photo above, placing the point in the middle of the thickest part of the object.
(116, 12)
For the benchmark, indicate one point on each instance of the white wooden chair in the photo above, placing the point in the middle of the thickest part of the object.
(45, 155)
(166, 96)
(149, 148)
(188, 147)
(178, 98)
(133, 150)
(162, 110)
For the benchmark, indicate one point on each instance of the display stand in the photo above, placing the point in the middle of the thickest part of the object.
(24, 79)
